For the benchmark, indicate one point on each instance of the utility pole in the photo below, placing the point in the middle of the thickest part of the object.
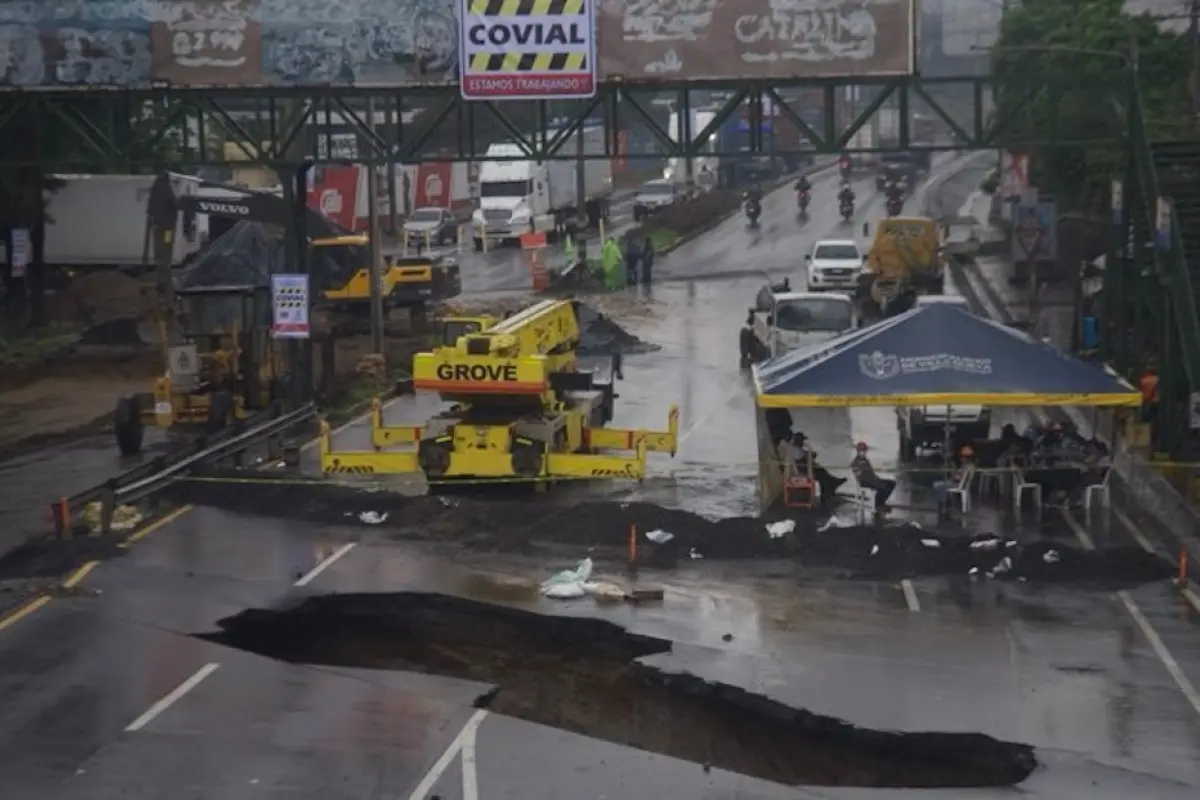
(373, 246)
(1194, 42)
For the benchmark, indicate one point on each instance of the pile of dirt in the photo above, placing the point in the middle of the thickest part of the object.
(600, 335)
(101, 296)
(519, 526)
(582, 675)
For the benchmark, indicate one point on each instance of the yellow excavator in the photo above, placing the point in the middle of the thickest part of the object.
(521, 410)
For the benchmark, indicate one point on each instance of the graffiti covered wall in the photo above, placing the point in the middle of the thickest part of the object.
(227, 42)
(748, 39)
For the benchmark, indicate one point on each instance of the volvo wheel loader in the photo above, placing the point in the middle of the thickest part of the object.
(520, 408)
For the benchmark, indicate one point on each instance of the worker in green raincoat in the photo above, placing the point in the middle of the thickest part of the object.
(610, 257)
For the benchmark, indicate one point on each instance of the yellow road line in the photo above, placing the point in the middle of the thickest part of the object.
(137, 536)
(23, 612)
(80, 574)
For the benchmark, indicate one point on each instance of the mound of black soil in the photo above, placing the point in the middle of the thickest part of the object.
(582, 675)
(519, 525)
(599, 335)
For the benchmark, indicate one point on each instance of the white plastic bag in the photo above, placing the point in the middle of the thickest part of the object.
(777, 530)
(659, 537)
(831, 523)
(568, 584)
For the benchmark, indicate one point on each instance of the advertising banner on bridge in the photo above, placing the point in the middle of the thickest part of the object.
(136, 43)
(527, 49)
(755, 39)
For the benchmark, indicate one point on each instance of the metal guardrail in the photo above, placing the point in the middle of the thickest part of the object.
(145, 479)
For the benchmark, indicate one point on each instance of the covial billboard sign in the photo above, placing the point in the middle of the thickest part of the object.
(527, 49)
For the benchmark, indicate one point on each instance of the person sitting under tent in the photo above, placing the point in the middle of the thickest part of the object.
(868, 479)
(966, 465)
(828, 482)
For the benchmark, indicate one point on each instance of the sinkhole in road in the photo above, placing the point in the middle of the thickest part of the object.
(583, 675)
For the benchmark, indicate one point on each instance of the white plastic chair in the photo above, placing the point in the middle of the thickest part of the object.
(1100, 491)
(963, 490)
(1020, 487)
(994, 480)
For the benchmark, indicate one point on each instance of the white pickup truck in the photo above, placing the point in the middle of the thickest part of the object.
(783, 320)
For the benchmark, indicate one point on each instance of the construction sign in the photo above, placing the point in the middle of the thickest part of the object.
(1035, 231)
(289, 307)
(527, 49)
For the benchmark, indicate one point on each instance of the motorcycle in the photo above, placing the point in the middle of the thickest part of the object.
(895, 205)
(802, 199)
(753, 211)
(847, 209)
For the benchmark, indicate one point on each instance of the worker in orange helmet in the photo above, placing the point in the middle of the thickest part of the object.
(966, 465)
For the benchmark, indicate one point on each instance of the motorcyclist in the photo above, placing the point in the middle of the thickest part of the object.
(893, 191)
(753, 201)
(845, 164)
(846, 196)
(803, 185)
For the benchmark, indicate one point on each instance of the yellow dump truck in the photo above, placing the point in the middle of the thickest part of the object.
(906, 260)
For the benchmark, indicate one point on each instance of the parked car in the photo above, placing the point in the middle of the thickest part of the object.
(431, 226)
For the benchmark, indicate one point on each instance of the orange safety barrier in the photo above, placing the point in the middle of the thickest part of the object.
(533, 241)
(538, 272)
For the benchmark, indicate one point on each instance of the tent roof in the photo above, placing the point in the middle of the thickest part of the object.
(934, 355)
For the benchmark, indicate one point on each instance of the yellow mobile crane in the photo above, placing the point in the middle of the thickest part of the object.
(522, 410)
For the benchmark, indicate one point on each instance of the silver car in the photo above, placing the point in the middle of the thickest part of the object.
(431, 226)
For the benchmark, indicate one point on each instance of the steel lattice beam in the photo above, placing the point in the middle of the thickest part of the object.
(285, 127)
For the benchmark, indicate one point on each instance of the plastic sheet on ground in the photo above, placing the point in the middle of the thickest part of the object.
(777, 530)
(569, 584)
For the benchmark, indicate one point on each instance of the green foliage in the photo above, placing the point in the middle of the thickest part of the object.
(1070, 52)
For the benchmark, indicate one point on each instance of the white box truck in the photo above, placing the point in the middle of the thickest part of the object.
(525, 196)
(99, 221)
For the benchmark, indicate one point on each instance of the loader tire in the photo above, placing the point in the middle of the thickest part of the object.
(127, 425)
(220, 411)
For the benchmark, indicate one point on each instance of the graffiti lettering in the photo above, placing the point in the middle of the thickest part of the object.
(132, 42)
(809, 30)
(668, 20)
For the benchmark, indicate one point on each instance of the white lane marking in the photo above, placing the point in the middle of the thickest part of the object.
(1160, 650)
(1156, 642)
(470, 772)
(910, 595)
(1134, 531)
(442, 764)
(171, 699)
(1084, 539)
(326, 564)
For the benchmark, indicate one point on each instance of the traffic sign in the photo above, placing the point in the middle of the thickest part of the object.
(527, 49)
(1035, 231)
(289, 307)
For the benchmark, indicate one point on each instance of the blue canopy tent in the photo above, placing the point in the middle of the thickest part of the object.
(936, 355)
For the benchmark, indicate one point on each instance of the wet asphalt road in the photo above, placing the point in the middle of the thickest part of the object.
(1068, 672)
(34, 480)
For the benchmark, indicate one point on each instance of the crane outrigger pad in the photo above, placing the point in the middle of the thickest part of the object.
(493, 452)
